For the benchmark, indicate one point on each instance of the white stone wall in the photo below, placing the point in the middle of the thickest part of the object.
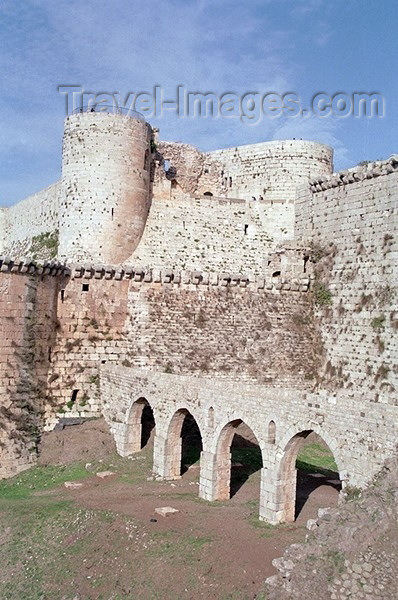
(105, 186)
(272, 170)
(357, 222)
(3, 229)
(211, 234)
(35, 215)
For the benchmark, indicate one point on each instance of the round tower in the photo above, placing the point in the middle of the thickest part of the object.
(105, 191)
(273, 170)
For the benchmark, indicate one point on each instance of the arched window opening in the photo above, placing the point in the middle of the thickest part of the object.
(207, 194)
(271, 432)
(166, 165)
(310, 477)
(276, 274)
(210, 417)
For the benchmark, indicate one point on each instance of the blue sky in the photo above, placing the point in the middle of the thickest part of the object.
(218, 46)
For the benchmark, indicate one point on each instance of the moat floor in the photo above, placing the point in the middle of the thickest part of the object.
(103, 540)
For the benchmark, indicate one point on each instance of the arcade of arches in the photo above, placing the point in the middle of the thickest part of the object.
(181, 441)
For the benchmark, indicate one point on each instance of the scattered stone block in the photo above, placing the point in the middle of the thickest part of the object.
(73, 485)
(104, 474)
(165, 511)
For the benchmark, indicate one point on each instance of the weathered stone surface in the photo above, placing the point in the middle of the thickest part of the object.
(73, 485)
(166, 511)
(104, 474)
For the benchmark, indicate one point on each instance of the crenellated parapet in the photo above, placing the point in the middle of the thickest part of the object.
(271, 282)
(360, 173)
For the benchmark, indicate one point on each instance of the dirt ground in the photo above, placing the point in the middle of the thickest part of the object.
(206, 550)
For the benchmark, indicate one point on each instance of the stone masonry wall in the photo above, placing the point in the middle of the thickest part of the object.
(31, 217)
(254, 331)
(27, 331)
(213, 234)
(272, 170)
(353, 228)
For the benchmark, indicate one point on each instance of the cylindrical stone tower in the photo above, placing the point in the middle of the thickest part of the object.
(105, 192)
(273, 170)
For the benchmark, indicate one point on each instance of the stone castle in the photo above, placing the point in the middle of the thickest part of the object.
(247, 285)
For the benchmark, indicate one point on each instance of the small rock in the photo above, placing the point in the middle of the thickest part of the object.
(312, 524)
(273, 581)
(164, 511)
(104, 474)
(322, 512)
(357, 568)
(73, 485)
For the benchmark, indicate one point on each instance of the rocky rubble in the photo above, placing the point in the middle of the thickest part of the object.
(351, 552)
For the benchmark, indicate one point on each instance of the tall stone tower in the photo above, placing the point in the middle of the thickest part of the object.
(105, 190)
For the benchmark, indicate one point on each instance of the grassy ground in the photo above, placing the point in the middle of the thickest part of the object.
(51, 548)
(316, 458)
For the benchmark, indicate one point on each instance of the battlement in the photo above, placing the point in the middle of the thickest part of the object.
(358, 173)
(273, 282)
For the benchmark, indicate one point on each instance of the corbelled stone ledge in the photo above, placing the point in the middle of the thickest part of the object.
(164, 276)
(359, 173)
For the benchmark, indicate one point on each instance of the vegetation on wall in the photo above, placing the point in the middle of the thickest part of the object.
(45, 245)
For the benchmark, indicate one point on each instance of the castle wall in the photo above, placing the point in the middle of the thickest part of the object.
(352, 222)
(272, 170)
(218, 328)
(105, 186)
(27, 331)
(213, 234)
(3, 230)
(36, 215)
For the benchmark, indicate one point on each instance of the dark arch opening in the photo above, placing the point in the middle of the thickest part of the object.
(184, 444)
(318, 480)
(207, 194)
(238, 459)
(191, 440)
(147, 425)
(246, 457)
(310, 477)
(140, 427)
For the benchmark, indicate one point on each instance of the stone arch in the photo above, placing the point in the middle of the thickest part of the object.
(140, 423)
(223, 456)
(180, 428)
(286, 473)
